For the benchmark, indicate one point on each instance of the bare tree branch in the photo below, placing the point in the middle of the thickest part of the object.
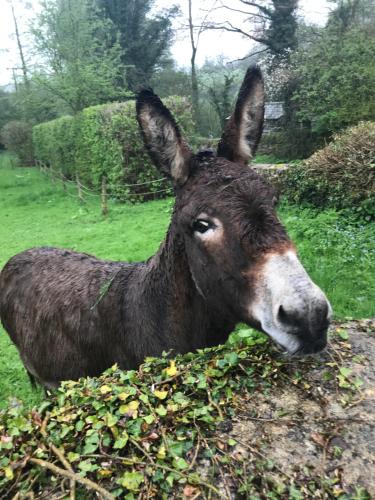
(234, 29)
(247, 13)
(20, 48)
(263, 9)
(248, 56)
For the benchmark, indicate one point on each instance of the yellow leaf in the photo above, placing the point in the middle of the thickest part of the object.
(123, 395)
(161, 452)
(172, 407)
(105, 389)
(8, 473)
(161, 394)
(104, 472)
(130, 410)
(171, 371)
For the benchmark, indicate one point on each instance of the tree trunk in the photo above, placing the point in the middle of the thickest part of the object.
(20, 50)
(194, 79)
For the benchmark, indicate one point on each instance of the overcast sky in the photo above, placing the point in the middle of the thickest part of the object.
(212, 43)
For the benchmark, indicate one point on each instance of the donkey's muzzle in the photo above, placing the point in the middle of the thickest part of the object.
(309, 326)
(290, 307)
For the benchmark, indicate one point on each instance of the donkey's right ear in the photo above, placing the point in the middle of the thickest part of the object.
(162, 137)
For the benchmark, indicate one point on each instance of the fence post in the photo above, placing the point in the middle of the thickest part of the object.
(51, 173)
(79, 188)
(104, 197)
(63, 182)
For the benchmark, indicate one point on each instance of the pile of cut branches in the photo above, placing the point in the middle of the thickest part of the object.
(162, 431)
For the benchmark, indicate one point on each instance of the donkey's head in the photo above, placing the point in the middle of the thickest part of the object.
(240, 258)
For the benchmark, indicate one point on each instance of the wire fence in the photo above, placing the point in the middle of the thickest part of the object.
(82, 191)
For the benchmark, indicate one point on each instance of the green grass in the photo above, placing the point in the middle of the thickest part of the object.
(268, 158)
(34, 212)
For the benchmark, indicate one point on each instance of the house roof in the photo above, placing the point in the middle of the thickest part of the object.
(273, 110)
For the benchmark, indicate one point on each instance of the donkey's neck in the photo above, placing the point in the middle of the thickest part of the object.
(176, 305)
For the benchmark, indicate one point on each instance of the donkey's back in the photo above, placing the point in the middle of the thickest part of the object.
(60, 309)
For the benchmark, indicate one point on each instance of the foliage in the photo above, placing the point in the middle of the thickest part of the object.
(328, 82)
(272, 24)
(281, 32)
(144, 39)
(336, 251)
(36, 102)
(16, 137)
(54, 143)
(212, 78)
(291, 142)
(81, 65)
(7, 109)
(350, 13)
(336, 80)
(105, 141)
(170, 80)
(151, 432)
(340, 175)
(220, 99)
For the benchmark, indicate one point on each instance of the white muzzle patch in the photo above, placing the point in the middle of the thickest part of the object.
(289, 306)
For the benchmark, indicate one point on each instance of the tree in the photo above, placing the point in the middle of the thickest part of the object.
(194, 40)
(336, 76)
(8, 110)
(144, 39)
(169, 80)
(20, 47)
(350, 13)
(36, 103)
(80, 63)
(273, 24)
(220, 97)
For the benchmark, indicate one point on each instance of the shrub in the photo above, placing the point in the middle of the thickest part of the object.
(16, 137)
(105, 141)
(336, 76)
(290, 143)
(54, 144)
(340, 175)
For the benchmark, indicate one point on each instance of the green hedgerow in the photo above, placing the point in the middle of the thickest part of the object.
(341, 175)
(16, 137)
(105, 141)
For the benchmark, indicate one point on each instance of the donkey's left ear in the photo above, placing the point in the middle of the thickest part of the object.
(162, 137)
(244, 128)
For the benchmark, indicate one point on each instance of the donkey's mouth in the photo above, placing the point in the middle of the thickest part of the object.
(297, 344)
(305, 348)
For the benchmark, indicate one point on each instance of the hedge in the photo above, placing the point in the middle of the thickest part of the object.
(341, 175)
(16, 137)
(105, 141)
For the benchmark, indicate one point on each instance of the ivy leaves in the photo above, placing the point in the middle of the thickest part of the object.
(150, 432)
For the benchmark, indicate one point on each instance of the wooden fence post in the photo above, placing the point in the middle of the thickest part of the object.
(79, 188)
(63, 182)
(104, 197)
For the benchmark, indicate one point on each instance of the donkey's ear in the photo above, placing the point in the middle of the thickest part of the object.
(244, 128)
(162, 137)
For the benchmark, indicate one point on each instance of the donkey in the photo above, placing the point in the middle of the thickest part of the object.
(226, 259)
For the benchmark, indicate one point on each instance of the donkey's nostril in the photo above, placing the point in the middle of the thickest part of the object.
(290, 318)
(281, 315)
(325, 313)
(300, 320)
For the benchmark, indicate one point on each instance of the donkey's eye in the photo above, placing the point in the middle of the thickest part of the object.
(201, 225)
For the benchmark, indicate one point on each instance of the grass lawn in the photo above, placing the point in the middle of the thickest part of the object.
(35, 212)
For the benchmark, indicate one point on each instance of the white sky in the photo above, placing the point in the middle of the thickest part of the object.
(212, 44)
